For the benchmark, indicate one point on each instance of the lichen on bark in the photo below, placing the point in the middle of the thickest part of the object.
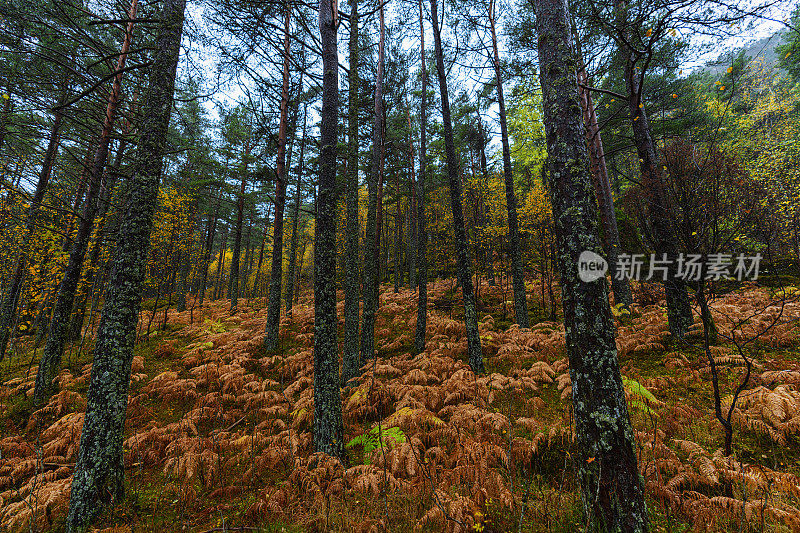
(99, 472)
(328, 426)
(611, 490)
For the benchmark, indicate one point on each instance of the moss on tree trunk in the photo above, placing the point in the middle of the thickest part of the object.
(605, 458)
(98, 477)
(351, 359)
(328, 426)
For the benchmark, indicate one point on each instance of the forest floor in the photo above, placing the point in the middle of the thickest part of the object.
(218, 435)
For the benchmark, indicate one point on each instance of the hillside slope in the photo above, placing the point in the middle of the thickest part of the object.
(219, 432)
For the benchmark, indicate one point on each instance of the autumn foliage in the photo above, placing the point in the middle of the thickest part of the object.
(218, 428)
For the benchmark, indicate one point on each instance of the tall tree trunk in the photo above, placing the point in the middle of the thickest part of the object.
(679, 310)
(350, 358)
(517, 272)
(188, 237)
(80, 190)
(291, 138)
(59, 323)
(276, 277)
(422, 234)
(605, 458)
(186, 258)
(372, 234)
(208, 250)
(99, 471)
(485, 173)
(602, 190)
(328, 425)
(474, 353)
(84, 294)
(290, 285)
(248, 256)
(411, 238)
(233, 283)
(299, 275)
(381, 229)
(398, 234)
(411, 235)
(223, 249)
(257, 282)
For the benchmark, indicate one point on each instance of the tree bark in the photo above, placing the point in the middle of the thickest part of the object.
(372, 234)
(422, 234)
(398, 235)
(223, 249)
(186, 260)
(381, 229)
(276, 277)
(233, 283)
(291, 138)
(328, 425)
(411, 240)
(517, 272)
(679, 310)
(247, 262)
(487, 255)
(474, 352)
(290, 284)
(208, 250)
(257, 281)
(86, 168)
(99, 472)
(611, 490)
(299, 275)
(351, 361)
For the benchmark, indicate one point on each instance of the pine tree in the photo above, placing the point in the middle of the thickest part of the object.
(328, 425)
(274, 305)
(372, 236)
(422, 254)
(605, 458)
(464, 269)
(99, 471)
(351, 359)
(517, 272)
(57, 336)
